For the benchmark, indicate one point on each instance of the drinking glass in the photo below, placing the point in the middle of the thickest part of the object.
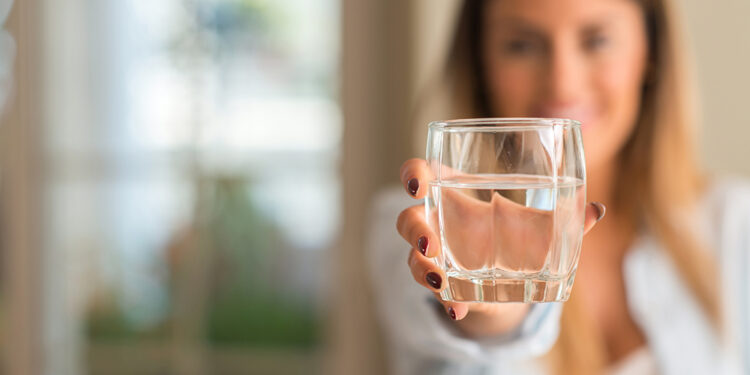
(507, 198)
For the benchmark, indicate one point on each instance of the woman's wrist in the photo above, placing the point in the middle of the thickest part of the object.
(492, 320)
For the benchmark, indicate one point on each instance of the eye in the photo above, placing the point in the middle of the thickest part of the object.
(520, 47)
(595, 42)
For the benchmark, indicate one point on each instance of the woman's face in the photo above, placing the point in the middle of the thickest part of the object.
(578, 59)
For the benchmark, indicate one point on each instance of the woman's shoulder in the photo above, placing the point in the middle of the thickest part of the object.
(729, 186)
(727, 199)
(724, 217)
(728, 204)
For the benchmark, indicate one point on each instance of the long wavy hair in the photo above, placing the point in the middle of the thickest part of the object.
(658, 179)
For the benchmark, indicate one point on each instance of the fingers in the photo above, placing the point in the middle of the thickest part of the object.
(415, 176)
(594, 212)
(425, 272)
(455, 310)
(413, 227)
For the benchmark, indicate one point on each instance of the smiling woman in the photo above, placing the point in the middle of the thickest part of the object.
(584, 62)
(618, 66)
(174, 175)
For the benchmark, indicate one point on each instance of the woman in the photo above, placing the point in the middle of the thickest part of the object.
(647, 296)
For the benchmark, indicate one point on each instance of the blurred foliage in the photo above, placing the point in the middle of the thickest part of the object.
(245, 307)
(247, 304)
(108, 321)
(240, 17)
(213, 27)
(265, 321)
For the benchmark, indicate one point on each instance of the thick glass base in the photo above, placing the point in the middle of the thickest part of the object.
(526, 290)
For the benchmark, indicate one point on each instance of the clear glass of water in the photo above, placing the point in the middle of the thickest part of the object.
(508, 201)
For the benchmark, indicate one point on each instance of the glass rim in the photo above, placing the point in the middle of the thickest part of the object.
(503, 123)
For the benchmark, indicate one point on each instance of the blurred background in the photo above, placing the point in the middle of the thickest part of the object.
(185, 184)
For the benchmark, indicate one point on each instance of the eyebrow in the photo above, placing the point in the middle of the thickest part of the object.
(516, 25)
(522, 26)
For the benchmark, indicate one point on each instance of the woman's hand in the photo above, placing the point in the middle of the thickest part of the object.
(471, 241)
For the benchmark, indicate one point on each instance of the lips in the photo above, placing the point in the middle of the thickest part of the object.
(583, 113)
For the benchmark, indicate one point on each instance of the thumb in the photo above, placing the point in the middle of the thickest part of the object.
(594, 212)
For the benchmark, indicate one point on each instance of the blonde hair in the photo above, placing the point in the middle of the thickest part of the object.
(659, 180)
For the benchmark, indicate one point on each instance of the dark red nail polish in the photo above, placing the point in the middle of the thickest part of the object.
(422, 243)
(413, 186)
(452, 313)
(434, 280)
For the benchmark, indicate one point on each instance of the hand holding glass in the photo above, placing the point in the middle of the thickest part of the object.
(508, 203)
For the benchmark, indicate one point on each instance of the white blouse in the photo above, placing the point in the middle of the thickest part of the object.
(640, 362)
(421, 339)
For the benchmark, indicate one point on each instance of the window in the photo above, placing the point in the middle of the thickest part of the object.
(193, 187)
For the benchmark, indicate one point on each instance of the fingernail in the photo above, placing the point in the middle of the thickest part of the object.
(413, 186)
(452, 313)
(422, 245)
(601, 208)
(434, 280)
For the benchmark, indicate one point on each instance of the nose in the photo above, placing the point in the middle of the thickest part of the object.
(565, 73)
